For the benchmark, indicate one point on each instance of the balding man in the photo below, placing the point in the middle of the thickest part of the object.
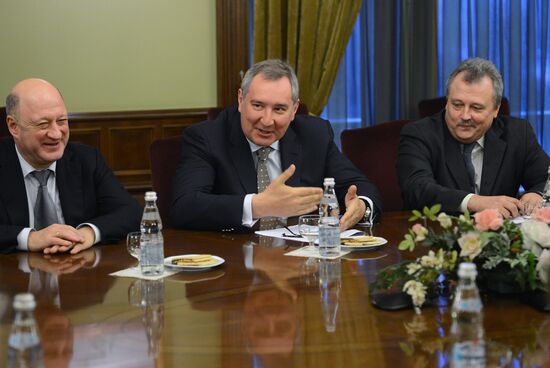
(55, 196)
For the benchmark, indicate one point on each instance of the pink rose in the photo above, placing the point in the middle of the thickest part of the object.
(489, 219)
(542, 214)
(420, 232)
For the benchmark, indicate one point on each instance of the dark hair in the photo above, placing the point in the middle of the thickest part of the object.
(273, 69)
(474, 70)
(12, 103)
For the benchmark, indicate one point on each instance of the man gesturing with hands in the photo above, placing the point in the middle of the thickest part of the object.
(219, 185)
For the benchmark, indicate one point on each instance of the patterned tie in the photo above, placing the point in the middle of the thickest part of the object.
(467, 156)
(44, 209)
(266, 223)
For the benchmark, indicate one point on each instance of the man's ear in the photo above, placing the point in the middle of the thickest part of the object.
(240, 98)
(12, 125)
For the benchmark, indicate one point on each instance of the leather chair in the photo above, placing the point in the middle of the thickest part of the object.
(374, 151)
(165, 157)
(4, 131)
(432, 106)
(213, 112)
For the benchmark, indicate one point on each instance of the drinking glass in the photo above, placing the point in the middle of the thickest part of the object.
(132, 243)
(309, 227)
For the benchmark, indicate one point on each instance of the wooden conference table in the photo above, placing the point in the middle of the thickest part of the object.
(259, 309)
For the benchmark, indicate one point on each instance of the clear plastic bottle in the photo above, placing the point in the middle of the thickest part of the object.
(546, 191)
(329, 221)
(24, 349)
(330, 284)
(467, 333)
(151, 241)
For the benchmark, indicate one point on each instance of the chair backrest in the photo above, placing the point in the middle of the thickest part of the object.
(213, 112)
(4, 131)
(432, 106)
(374, 151)
(165, 157)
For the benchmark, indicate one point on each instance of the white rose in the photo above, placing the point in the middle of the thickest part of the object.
(444, 220)
(413, 267)
(536, 234)
(470, 245)
(543, 267)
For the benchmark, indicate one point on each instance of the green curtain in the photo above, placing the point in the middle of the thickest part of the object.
(311, 35)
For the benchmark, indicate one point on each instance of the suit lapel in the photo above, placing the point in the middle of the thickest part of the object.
(69, 184)
(291, 153)
(241, 156)
(455, 162)
(493, 154)
(14, 194)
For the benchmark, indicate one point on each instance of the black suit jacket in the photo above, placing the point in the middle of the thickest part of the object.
(431, 169)
(88, 191)
(217, 170)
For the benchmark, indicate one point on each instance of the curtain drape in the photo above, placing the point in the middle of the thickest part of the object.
(311, 35)
(513, 34)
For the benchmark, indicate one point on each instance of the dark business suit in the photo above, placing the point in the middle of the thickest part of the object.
(431, 169)
(88, 192)
(217, 170)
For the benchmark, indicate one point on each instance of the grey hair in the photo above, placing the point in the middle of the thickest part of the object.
(273, 69)
(12, 103)
(474, 70)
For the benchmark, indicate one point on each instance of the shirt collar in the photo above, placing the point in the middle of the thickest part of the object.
(26, 167)
(254, 147)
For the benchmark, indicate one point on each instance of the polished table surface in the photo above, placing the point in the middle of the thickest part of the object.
(259, 309)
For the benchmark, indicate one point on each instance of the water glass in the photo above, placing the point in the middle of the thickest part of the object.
(132, 243)
(309, 227)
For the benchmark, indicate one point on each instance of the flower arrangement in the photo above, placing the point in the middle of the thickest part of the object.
(509, 257)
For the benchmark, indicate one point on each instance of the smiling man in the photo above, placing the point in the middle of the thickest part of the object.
(468, 157)
(55, 196)
(217, 185)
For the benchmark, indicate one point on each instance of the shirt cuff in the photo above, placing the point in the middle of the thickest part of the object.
(97, 233)
(464, 204)
(247, 219)
(23, 239)
(370, 205)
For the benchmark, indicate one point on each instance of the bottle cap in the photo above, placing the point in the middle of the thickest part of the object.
(150, 196)
(467, 269)
(328, 181)
(24, 301)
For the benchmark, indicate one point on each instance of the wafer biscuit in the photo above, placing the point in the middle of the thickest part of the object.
(196, 260)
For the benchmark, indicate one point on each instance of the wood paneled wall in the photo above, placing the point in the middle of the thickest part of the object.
(124, 138)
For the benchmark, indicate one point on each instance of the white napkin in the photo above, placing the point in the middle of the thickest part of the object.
(313, 252)
(135, 272)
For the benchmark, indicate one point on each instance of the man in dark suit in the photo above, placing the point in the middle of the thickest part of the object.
(84, 197)
(216, 183)
(468, 157)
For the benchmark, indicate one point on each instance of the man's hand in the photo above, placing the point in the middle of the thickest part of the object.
(355, 209)
(280, 200)
(530, 201)
(54, 238)
(507, 206)
(89, 238)
(61, 265)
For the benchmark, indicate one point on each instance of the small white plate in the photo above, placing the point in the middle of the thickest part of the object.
(373, 246)
(168, 262)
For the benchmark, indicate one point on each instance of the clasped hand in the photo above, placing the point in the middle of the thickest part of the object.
(58, 238)
(281, 200)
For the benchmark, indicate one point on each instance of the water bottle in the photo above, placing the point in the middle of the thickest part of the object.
(467, 333)
(24, 348)
(546, 191)
(330, 284)
(329, 221)
(151, 241)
